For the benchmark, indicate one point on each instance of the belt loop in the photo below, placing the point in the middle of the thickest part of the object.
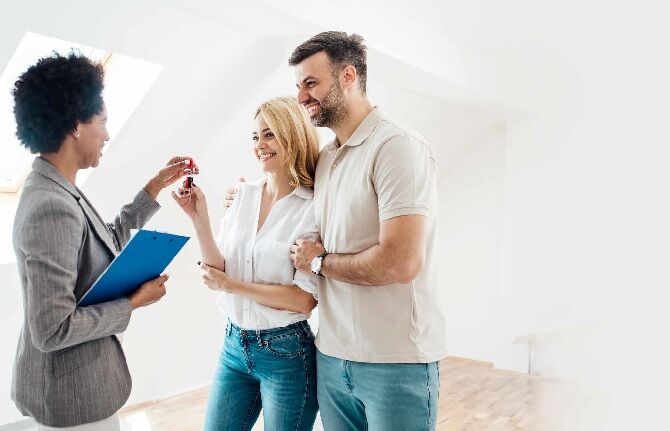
(303, 334)
(305, 328)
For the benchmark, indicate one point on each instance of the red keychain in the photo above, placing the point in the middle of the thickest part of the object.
(190, 169)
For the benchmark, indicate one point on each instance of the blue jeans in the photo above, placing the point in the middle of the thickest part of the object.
(274, 369)
(376, 397)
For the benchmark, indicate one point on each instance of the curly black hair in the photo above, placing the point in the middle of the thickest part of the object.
(343, 49)
(52, 96)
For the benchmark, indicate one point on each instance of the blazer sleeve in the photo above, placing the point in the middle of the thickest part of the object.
(51, 241)
(132, 216)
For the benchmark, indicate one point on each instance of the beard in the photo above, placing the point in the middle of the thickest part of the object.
(333, 108)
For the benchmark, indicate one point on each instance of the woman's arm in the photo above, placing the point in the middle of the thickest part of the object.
(277, 296)
(132, 216)
(136, 214)
(194, 204)
(209, 249)
(280, 297)
(48, 248)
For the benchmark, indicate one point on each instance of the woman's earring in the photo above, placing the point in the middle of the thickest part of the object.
(76, 135)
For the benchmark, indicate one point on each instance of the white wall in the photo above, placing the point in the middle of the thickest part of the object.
(584, 233)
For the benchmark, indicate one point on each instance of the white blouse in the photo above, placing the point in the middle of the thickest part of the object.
(263, 257)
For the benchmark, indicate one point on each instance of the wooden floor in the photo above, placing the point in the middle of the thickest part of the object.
(473, 396)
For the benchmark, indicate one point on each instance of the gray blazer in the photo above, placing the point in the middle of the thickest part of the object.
(69, 368)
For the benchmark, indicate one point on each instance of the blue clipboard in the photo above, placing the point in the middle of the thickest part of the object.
(144, 258)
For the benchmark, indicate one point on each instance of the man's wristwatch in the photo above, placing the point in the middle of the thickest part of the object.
(316, 263)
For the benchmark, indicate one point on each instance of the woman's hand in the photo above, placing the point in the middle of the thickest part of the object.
(171, 173)
(149, 292)
(217, 280)
(193, 202)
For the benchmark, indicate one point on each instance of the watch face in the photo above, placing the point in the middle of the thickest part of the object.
(315, 265)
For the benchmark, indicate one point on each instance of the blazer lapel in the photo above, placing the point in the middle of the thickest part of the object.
(99, 226)
(46, 169)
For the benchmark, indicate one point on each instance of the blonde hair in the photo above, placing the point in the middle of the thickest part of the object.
(289, 122)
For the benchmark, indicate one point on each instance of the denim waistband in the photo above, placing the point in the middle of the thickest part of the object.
(253, 334)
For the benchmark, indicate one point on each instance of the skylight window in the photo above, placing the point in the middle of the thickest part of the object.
(127, 80)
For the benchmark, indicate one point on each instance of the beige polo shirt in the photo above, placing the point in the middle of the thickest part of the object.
(382, 171)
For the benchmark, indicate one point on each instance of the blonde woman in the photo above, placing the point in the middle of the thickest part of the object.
(268, 359)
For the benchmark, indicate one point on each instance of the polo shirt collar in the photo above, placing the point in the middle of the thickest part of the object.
(365, 129)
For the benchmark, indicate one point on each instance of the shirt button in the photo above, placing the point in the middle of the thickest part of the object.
(334, 165)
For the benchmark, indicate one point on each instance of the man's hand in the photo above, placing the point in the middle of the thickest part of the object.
(303, 252)
(149, 292)
(216, 279)
(231, 193)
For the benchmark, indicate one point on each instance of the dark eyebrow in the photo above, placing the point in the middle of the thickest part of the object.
(307, 79)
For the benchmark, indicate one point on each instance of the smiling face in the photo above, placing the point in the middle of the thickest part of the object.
(320, 91)
(266, 147)
(91, 139)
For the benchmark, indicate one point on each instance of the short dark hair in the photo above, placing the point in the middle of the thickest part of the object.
(52, 96)
(342, 49)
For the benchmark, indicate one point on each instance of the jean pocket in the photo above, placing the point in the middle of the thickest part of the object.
(285, 346)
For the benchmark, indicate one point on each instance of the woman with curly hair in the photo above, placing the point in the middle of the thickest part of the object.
(268, 358)
(70, 368)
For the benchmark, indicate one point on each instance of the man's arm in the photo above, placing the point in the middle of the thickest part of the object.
(404, 181)
(397, 258)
